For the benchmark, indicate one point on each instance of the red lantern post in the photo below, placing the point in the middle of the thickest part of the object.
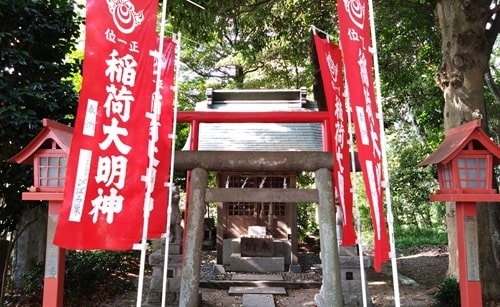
(48, 153)
(465, 162)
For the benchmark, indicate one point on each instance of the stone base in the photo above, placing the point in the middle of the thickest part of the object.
(281, 247)
(256, 246)
(256, 264)
(350, 275)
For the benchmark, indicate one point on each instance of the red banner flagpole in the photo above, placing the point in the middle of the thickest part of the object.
(388, 198)
(173, 136)
(356, 45)
(330, 62)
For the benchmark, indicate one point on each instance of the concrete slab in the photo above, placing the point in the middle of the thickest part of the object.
(257, 290)
(256, 277)
(256, 264)
(258, 300)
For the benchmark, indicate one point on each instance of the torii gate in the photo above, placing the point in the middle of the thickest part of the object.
(199, 163)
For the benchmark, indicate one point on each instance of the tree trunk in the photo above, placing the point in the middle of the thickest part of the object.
(29, 248)
(465, 61)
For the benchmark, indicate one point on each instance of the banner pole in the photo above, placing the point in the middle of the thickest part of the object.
(156, 104)
(383, 144)
(354, 191)
(171, 176)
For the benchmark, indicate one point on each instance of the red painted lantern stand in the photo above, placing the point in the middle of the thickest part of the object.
(48, 153)
(53, 282)
(465, 162)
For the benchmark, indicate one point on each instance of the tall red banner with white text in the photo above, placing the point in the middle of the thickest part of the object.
(104, 195)
(330, 62)
(355, 41)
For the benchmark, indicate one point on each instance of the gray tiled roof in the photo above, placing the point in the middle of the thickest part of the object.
(261, 137)
(258, 136)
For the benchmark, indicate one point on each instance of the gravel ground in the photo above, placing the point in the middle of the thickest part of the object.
(420, 273)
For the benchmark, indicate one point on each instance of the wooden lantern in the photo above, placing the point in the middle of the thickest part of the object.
(465, 162)
(48, 153)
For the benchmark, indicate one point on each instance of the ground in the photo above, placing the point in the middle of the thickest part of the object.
(420, 272)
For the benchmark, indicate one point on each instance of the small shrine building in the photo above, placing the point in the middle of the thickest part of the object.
(273, 219)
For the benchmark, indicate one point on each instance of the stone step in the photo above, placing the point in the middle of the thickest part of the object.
(262, 277)
(256, 290)
(287, 284)
(256, 264)
(258, 300)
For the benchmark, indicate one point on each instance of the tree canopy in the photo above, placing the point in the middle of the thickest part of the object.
(36, 38)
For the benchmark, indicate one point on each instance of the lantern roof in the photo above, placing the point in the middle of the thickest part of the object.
(456, 139)
(52, 132)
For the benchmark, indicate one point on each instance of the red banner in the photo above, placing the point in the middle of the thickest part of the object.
(330, 62)
(163, 147)
(107, 173)
(355, 41)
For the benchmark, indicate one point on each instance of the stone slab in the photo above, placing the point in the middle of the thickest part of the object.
(258, 300)
(256, 277)
(256, 230)
(257, 246)
(256, 264)
(257, 290)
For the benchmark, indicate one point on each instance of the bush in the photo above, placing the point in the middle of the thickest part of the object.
(407, 238)
(88, 274)
(448, 294)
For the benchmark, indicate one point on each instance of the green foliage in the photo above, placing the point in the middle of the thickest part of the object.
(306, 212)
(248, 44)
(407, 238)
(35, 37)
(306, 219)
(87, 274)
(448, 294)
(33, 281)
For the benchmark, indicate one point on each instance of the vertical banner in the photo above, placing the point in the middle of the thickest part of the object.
(163, 144)
(356, 41)
(103, 206)
(330, 62)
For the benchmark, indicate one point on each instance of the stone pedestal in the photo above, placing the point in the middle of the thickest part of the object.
(174, 274)
(256, 246)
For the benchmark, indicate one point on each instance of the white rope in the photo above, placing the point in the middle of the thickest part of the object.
(383, 145)
(195, 4)
(149, 175)
(171, 176)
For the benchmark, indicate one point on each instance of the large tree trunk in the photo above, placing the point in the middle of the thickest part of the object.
(465, 61)
(29, 249)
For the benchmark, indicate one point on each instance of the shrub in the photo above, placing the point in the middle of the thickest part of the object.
(448, 294)
(89, 273)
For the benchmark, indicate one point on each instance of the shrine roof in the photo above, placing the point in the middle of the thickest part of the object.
(258, 136)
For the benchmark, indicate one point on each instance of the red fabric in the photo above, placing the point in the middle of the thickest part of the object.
(330, 62)
(106, 176)
(355, 41)
(164, 143)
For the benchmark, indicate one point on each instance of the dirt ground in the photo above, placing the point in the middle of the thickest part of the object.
(420, 272)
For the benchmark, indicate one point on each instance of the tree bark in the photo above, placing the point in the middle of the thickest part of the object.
(29, 249)
(464, 63)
